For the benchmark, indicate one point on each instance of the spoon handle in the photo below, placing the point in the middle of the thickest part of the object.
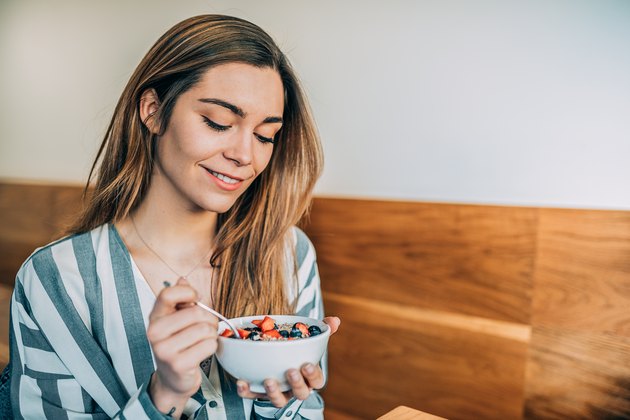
(213, 312)
(220, 316)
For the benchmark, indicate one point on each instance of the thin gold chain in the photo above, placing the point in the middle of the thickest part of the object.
(185, 277)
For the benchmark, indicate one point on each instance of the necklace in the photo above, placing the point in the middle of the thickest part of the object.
(185, 277)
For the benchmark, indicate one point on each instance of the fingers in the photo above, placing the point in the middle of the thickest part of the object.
(277, 397)
(313, 375)
(301, 381)
(184, 339)
(163, 327)
(243, 391)
(194, 355)
(298, 384)
(333, 322)
(274, 395)
(168, 299)
(181, 335)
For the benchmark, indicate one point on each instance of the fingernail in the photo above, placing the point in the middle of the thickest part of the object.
(294, 375)
(240, 386)
(270, 385)
(309, 368)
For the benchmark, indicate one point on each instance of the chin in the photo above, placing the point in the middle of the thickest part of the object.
(218, 204)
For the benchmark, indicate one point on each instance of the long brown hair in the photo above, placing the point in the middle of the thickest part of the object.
(250, 260)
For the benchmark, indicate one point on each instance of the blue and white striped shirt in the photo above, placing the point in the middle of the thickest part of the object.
(79, 349)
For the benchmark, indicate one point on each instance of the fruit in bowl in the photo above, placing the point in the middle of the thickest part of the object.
(270, 345)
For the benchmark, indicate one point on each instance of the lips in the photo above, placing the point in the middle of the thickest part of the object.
(225, 178)
(225, 181)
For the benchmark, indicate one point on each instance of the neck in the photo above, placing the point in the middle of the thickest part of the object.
(179, 229)
(174, 230)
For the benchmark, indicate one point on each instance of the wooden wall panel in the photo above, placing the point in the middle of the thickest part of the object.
(494, 310)
(32, 216)
(582, 279)
(5, 301)
(391, 355)
(475, 260)
(577, 375)
(579, 365)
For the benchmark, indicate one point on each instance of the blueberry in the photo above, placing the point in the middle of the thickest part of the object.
(284, 333)
(314, 330)
(295, 332)
(254, 336)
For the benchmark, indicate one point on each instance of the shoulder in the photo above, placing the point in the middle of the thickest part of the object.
(304, 250)
(58, 258)
(307, 297)
(304, 261)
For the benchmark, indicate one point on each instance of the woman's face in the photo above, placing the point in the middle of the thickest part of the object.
(220, 136)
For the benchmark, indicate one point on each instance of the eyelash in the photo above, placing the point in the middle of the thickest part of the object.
(221, 128)
(215, 126)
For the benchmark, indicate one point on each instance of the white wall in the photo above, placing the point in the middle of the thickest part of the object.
(508, 102)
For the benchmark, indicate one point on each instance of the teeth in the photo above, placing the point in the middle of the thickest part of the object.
(224, 178)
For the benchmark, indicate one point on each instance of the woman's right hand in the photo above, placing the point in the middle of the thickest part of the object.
(182, 335)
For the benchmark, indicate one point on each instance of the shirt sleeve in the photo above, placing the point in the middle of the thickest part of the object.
(42, 386)
(309, 303)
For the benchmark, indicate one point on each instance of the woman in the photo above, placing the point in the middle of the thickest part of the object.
(207, 165)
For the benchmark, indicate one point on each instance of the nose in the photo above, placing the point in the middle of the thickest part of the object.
(239, 149)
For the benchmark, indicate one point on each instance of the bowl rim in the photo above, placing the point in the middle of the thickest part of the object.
(324, 334)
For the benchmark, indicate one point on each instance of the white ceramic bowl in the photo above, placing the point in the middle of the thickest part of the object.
(255, 361)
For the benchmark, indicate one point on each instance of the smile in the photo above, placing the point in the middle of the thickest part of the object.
(224, 178)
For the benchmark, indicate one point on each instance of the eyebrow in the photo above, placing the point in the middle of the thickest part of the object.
(235, 109)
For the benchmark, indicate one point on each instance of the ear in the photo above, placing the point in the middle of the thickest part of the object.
(149, 105)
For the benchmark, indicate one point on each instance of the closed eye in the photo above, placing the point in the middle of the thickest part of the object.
(215, 126)
(265, 139)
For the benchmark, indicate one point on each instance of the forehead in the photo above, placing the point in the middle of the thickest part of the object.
(256, 90)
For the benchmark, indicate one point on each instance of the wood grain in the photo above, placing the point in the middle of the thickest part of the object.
(474, 260)
(466, 311)
(5, 304)
(582, 278)
(577, 375)
(332, 414)
(406, 413)
(383, 357)
(579, 365)
(32, 216)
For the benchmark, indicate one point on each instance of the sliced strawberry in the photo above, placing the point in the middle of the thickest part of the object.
(272, 334)
(257, 322)
(227, 333)
(243, 333)
(268, 324)
(303, 328)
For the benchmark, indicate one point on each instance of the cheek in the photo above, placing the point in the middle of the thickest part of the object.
(264, 158)
(182, 146)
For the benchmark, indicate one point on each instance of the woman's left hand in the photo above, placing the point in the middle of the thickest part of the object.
(302, 381)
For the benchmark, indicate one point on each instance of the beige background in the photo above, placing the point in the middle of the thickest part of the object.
(508, 102)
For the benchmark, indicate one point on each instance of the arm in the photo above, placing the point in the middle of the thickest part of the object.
(59, 369)
(42, 386)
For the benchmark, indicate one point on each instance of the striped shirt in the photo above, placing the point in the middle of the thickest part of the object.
(79, 348)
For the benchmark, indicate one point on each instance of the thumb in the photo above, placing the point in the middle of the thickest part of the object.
(182, 282)
(333, 322)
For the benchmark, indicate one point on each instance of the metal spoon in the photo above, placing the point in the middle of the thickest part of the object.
(220, 316)
(213, 312)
